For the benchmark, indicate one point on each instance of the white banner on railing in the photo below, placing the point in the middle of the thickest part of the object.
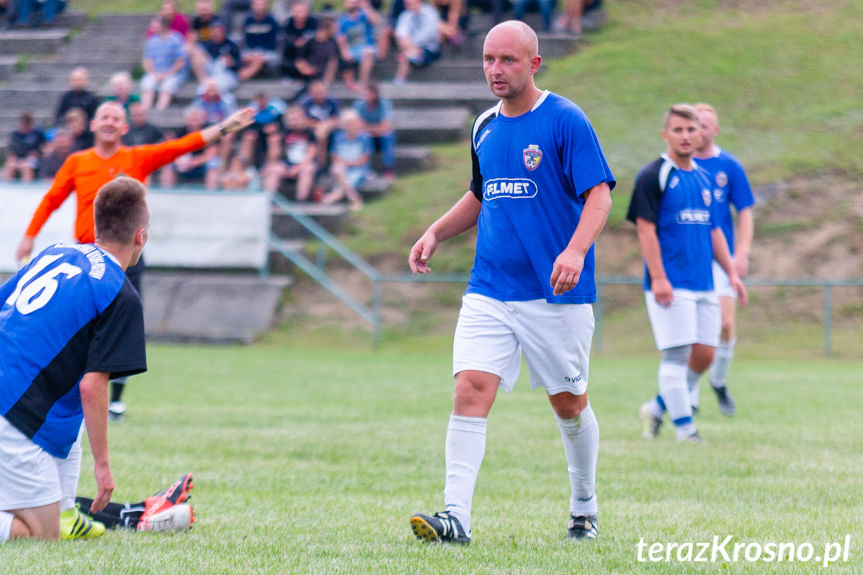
(188, 229)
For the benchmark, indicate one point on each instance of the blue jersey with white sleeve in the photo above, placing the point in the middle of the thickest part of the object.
(531, 172)
(70, 311)
(730, 186)
(680, 203)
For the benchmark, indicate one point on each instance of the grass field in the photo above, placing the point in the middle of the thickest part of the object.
(310, 459)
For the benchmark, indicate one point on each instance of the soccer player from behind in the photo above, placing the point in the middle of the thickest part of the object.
(85, 172)
(540, 195)
(730, 186)
(673, 210)
(69, 320)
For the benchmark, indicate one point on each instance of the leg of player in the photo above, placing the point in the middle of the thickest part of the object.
(724, 354)
(73, 523)
(166, 510)
(699, 360)
(475, 392)
(674, 392)
(580, 433)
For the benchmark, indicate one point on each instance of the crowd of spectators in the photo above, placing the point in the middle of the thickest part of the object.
(306, 139)
(29, 13)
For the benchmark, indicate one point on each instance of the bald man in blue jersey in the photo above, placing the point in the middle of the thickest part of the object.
(540, 195)
(69, 320)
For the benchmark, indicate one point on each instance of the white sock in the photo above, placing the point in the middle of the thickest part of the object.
(721, 362)
(69, 470)
(655, 409)
(6, 519)
(672, 388)
(581, 443)
(692, 384)
(465, 448)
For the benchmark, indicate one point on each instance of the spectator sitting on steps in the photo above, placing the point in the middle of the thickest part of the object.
(351, 155)
(76, 122)
(261, 35)
(164, 64)
(417, 36)
(60, 148)
(377, 114)
(121, 90)
(292, 155)
(25, 149)
(77, 96)
(196, 167)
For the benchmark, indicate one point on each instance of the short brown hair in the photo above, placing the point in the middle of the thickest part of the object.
(681, 111)
(120, 210)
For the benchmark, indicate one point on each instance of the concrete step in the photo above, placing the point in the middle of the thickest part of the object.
(8, 65)
(73, 19)
(33, 41)
(201, 307)
(332, 217)
(117, 21)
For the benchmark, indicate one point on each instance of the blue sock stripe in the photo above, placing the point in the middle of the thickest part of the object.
(682, 421)
(661, 403)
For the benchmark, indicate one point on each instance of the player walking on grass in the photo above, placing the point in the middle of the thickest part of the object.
(730, 186)
(540, 195)
(673, 209)
(69, 320)
(87, 171)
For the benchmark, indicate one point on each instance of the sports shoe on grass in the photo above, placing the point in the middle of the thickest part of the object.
(692, 438)
(726, 402)
(650, 424)
(440, 527)
(116, 411)
(76, 525)
(177, 493)
(581, 527)
(174, 518)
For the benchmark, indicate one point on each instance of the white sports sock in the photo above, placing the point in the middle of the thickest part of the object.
(465, 448)
(581, 443)
(654, 409)
(6, 519)
(672, 388)
(69, 470)
(692, 384)
(721, 362)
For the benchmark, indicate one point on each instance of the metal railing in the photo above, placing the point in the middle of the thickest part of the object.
(327, 241)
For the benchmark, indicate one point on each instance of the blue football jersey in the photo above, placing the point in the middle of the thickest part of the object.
(70, 311)
(531, 172)
(681, 205)
(730, 186)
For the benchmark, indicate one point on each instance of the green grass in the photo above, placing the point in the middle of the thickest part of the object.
(311, 459)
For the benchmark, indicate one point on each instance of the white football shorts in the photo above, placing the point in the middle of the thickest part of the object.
(721, 282)
(692, 317)
(555, 338)
(28, 473)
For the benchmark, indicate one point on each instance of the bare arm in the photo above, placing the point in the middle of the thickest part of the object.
(460, 218)
(570, 262)
(94, 400)
(659, 284)
(723, 256)
(745, 233)
(232, 124)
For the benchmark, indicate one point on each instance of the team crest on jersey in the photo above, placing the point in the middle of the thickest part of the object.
(673, 183)
(705, 195)
(721, 179)
(532, 157)
(718, 194)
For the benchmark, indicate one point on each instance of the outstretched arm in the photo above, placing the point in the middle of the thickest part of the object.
(232, 124)
(460, 218)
